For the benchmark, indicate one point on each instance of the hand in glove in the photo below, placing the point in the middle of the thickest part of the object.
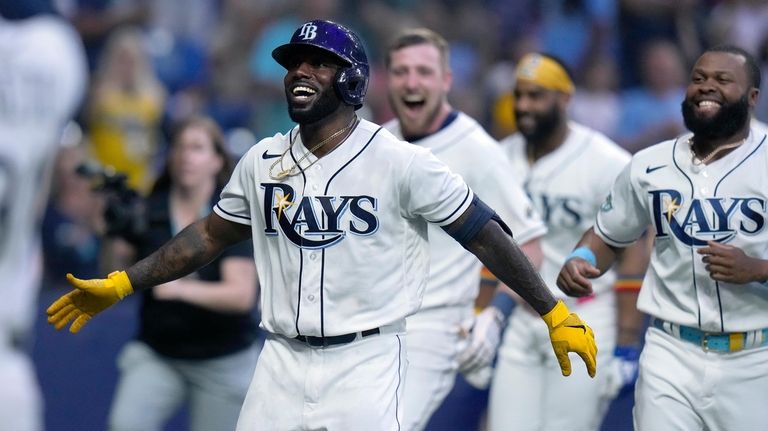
(484, 338)
(89, 298)
(569, 333)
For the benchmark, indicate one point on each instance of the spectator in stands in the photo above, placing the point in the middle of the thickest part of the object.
(196, 340)
(73, 220)
(125, 110)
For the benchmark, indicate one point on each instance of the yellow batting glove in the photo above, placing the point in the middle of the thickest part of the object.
(89, 298)
(569, 333)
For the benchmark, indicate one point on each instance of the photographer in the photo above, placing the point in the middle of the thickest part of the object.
(196, 334)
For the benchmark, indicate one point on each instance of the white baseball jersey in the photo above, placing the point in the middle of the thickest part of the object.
(342, 247)
(42, 81)
(567, 187)
(688, 204)
(454, 273)
(759, 125)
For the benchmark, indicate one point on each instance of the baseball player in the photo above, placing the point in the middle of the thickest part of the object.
(42, 81)
(419, 79)
(705, 361)
(337, 209)
(567, 170)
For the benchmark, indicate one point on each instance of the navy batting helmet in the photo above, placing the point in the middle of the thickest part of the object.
(352, 80)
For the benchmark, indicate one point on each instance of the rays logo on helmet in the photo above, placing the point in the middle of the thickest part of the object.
(315, 222)
(308, 31)
(697, 226)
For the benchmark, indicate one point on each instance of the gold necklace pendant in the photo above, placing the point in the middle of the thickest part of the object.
(285, 173)
(696, 161)
(280, 175)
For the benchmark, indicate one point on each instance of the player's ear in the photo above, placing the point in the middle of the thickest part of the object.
(563, 99)
(752, 96)
(447, 79)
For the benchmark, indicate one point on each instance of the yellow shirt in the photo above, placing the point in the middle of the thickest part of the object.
(123, 134)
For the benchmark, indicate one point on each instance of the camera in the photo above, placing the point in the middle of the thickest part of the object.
(124, 212)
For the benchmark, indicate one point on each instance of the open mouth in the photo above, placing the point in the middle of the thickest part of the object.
(414, 102)
(525, 121)
(302, 93)
(708, 106)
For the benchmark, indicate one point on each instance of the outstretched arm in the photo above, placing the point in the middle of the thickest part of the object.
(480, 231)
(506, 260)
(192, 248)
(485, 332)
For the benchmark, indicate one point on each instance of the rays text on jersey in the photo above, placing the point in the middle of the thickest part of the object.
(314, 222)
(714, 219)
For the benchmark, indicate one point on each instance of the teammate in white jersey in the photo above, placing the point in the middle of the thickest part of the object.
(42, 81)
(419, 79)
(337, 209)
(567, 171)
(705, 361)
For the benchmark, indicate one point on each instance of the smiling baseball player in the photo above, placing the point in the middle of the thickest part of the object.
(337, 209)
(440, 342)
(705, 361)
(567, 171)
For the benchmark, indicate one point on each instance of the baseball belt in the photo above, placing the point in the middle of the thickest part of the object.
(714, 341)
(336, 339)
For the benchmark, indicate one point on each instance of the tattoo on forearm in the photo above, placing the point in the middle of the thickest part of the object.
(504, 258)
(186, 252)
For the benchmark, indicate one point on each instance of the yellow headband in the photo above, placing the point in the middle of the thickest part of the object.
(545, 72)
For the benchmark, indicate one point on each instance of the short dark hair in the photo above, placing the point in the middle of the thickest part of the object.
(753, 70)
(419, 36)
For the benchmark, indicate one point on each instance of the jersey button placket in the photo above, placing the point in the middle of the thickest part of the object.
(704, 184)
(314, 179)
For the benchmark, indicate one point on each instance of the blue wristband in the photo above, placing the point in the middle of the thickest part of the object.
(503, 303)
(583, 253)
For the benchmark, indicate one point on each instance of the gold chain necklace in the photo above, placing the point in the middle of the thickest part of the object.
(296, 168)
(703, 161)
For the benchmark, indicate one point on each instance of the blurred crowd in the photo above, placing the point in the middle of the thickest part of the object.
(153, 63)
